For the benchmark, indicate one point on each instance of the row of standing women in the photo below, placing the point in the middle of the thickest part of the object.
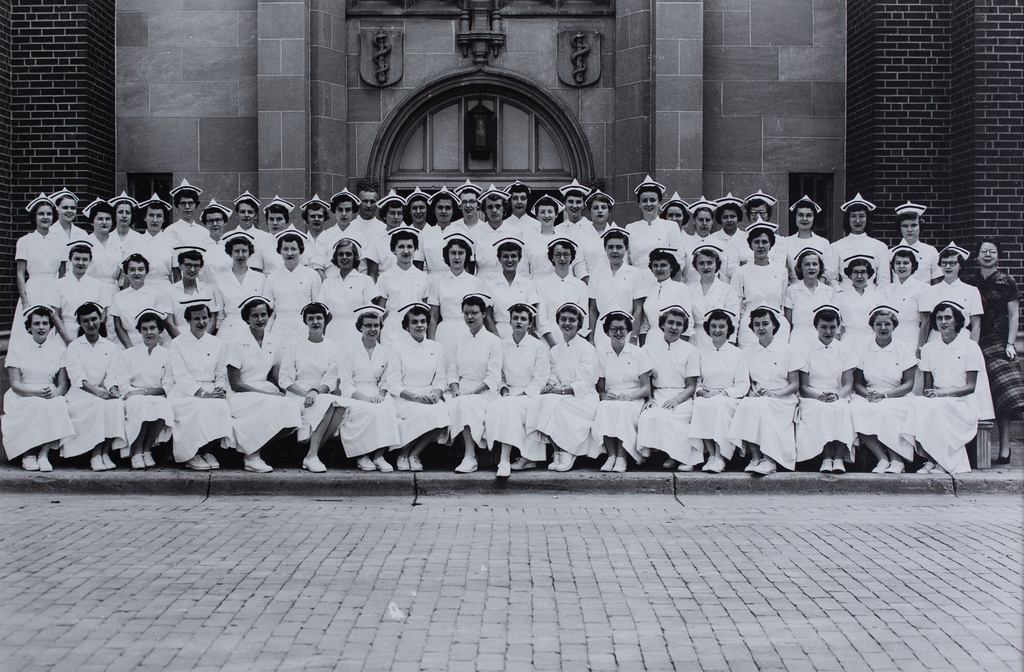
(443, 316)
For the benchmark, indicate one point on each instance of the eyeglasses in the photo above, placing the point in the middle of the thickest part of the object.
(562, 255)
(191, 265)
(617, 330)
(949, 262)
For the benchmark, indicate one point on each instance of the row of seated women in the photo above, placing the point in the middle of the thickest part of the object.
(773, 402)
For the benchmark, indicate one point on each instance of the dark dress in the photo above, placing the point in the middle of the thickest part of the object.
(1005, 379)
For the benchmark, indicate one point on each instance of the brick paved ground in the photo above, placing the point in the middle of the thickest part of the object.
(516, 583)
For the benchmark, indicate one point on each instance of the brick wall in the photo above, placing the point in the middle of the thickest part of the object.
(8, 231)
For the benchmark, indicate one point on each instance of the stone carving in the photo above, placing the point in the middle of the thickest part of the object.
(579, 57)
(380, 56)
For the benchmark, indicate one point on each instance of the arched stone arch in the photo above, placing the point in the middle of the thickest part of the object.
(546, 113)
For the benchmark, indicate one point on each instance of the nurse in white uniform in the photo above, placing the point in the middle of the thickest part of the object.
(760, 281)
(664, 292)
(346, 290)
(237, 285)
(403, 284)
(38, 256)
(448, 289)
(624, 388)
(805, 296)
(909, 296)
(137, 296)
(290, 287)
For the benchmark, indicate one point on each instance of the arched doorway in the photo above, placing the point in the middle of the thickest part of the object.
(537, 140)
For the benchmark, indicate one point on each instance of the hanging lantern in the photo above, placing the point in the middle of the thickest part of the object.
(480, 133)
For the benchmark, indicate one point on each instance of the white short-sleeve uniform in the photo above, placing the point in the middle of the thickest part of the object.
(803, 302)
(178, 296)
(198, 364)
(308, 365)
(29, 422)
(417, 367)
(129, 302)
(288, 292)
(659, 296)
(138, 368)
(473, 360)
(342, 296)
(216, 261)
(566, 420)
(910, 298)
(723, 373)
(400, 288)
(106, 259)
(861, 243)
(537, 261)
(555, 292)
(621, 373)
(526, 368)
(960, 292)
(819, 423)
(661, 428)
(505, 295)
(883, 370)
(258, 417)
(232, 292)
(927, 262)
(73, 292)
(944, 425)
(187, 233)
(855, 309)
(367, 426)
(768, 421)
(43, 256)
(95, 420)
(432, 242)
(446, 292)
(719, 295)
(645, 236)
(793, 245)
(756, 286)
(159, 252)
(616, 290)
(488, 267)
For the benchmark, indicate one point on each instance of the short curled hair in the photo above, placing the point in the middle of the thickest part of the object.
(152, 317)
(895, 318)
(190, 255)
(571, 248)
(673, 312)
(848, 271)
(959, 321)
(749, 206)
(365, 315)
(710, 254)
(405, 235)
(799, 266)
(729, 206)
(415, 310)
(277, 210)
(291, 237)
(616, 234)
(458, 242)
(195, 308)
(649, 190)
(824, 315)
(42, 311)
(719, 314)
(229, 246)
(101, 208)
(606, 322)
(574, 312)
(906, 254)
(132, 259)
(764, 312)
(79, 249)
(342, 244)
(248, 308)
(681, 209)
(316, 309)
(510, 247)
(42, 204)
(852, 209)
(660, 255)
(475, 301)
(753, 235)
(947, 253)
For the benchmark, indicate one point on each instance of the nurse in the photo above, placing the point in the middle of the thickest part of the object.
(857, 216)
(909, 218)
(309, 376)
(240, 283)
(909, 296)
(952, 288)
(370, 426)
(558, 288)
(525, 370)
(131, 300)
(36, 419)
(156, 245)
(564, 412)
(511, 286)
(760, 282)
(290, 287)
(191, 261)
(77, 288)
(215, 219)
(664, 292)
(710, 292)
(624, 389)
(94, 401)
(805, 296)
(403, 284)
(143, 377)
(417, 378)
(38, 257)
(651, 231)
(856, 299)
(346, 290)
(803, 217)
(675, 369)
(447, 291)
(617, 286)
(764, 419)
(107, 252)
(474, 376)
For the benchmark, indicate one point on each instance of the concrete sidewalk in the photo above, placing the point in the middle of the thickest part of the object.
(348, 483)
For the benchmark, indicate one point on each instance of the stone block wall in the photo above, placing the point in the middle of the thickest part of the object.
(774, 96)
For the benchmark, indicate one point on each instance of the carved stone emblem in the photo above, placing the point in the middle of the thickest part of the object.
(579, 57)
(380, 56)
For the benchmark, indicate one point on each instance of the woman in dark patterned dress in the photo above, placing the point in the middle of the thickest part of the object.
(1000, 298)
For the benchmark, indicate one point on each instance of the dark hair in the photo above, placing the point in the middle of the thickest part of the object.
(652, 189)
(729, 206)
(415, 310)
(367, 184)
(475, 301)
(762, 312)
(551, 252)
(852, 209)
(277, 209)
(437, 198)
(606, 322)
(823, 315)
(603, 198)
(660, 255)
(520, 307)
(710, 211)
(947, 253)
(506, 205)
(686, 213)
(906, 215)
(798, 267)
(708, 253)
(470, 265)
(511, 247)
(238, 240)
(101, 207)
(194, 308)
(993, 242)
(158, 208)
(749, 205)
(191, 255)
(186, 192)
(42, 204)
(719, 314)
(293, 237)
(152, 317)
(803, 206)
(247, 309)
(317, 310)
(405, 235)
(673, 311)
(206, 213)
(391, 205)
(361, 318)
(859, 262)
(135, 257)
(89, 309)
(615, 234)
(570, 309)
(314, 206)
(909, 255)
(79, 249)
(895, 319)
(753, 235)
(959, 321)
(346, 242)
(39, 310)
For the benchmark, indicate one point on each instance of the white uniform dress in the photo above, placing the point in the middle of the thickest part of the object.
(793, 245)
(178, 296)
(928, 268)
(661, 428)
(474, 359)
(566, 419)
(198, 364)
(616, 291)
(43, 256)
(29, 422)
(400, 288)
(367, 427)
(342, 296)
(130, 302)
(505, 295)
(803, 302)
(73, 292)
(258, 417)
(621, 373)
(722, 371)
(719, 295)
(525, 369)
(159, 252)
(645, 236)
(819, 423)
(855, 309)
(216, 261)
(418, 368)
(106, 259)
(288, 292)
(660, 295)
(138, 368)
(446, 292)
(231, 293)
(553, 293)
(861, 243)
(883, 369)
(959, 292)
(756, 286)
(768, 421)
(944, 425)
(910, 298)
(95, 420)
(310, 365)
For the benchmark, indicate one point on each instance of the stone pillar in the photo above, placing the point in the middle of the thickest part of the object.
(283, 99)
(678, 94)
(328, 37)
(633, 75)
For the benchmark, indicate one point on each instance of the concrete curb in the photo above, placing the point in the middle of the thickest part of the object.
(339, 483)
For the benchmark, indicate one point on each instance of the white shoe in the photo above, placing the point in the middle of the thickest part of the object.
(147, 457)
(210, 460)
(926, 469)
(108, 462)
(556, 461)
(896, 467)
(314, 465)
(197, 463)
(620, 465)
(256, 464)
(96, 463)
(467, 466)
(138, 462)
(715, 465)
(838, 467)
(504, 470)
(765, 467)
(938, 470)
(752, 467)
(30, 463)
(826, 466)
(415, 464)
(684, 467)
(522, 464)
(383, 464)
(672, 464)
(403, 463)
(881, 467)
(566, 462)
(44, 463)
(366, 464)
(609, 464)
